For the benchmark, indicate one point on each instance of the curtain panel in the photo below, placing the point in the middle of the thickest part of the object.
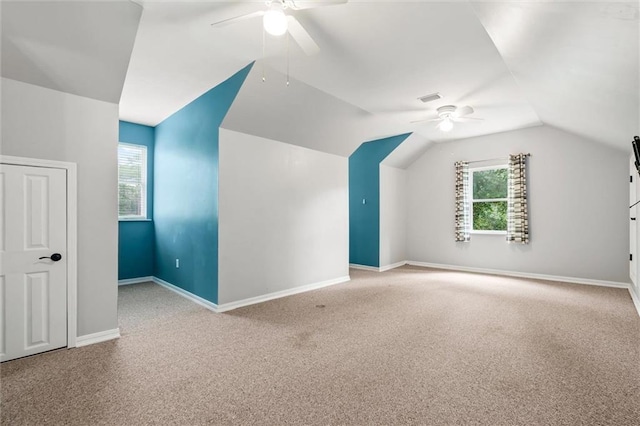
(463, 222)
(517, 208)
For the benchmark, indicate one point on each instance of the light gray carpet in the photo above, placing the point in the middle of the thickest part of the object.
(408, 346)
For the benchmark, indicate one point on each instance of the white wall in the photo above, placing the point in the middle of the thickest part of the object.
(393, 215)
(578, 207)
(284, 217)
(47, 124)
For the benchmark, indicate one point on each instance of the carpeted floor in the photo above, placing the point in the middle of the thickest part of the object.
(408, 346)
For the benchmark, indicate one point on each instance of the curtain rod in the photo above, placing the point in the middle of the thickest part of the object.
(494, 159)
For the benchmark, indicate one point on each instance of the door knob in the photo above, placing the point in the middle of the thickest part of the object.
(55, 257)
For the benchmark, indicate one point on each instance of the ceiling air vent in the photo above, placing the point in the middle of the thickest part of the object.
(431, 97)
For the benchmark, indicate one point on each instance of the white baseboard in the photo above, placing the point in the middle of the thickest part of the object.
(392, 266)
(135, 280)
(364, 267)
(187, 295)
(278, 294)
(250, 301)
(375, 268)
(101, 336)
(572, 280)
(636, 299)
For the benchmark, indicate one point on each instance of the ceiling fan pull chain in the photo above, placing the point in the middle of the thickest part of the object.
(288, 55)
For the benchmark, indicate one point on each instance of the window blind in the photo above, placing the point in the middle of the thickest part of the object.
(132, 181)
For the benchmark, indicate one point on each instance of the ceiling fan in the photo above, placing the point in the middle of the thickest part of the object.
(276, 22)
(449, 114)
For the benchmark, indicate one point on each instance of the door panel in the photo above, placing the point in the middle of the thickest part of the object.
(37, 309)
(37, 212)
(34, 301)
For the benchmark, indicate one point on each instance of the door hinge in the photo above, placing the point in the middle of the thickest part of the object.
(631, 179)
(630, 257)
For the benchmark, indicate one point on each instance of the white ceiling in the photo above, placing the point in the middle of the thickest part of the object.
(573, 65)
(302, 114)
(577, 63)
(81, 48)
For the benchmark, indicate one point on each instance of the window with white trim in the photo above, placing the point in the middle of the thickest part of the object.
(132, 181)
(489, 188)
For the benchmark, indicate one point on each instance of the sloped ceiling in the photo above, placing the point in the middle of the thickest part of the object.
(573, 65)
(300, 114)
(377, 56)
(75, 47)
(577, 63)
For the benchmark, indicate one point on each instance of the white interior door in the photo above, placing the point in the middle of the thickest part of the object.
(633, 220)
(33, 284)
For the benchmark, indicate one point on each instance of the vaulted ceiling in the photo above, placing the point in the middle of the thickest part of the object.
(573, 65)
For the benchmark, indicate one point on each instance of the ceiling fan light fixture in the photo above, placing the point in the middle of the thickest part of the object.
(446, 125)
(275, 21)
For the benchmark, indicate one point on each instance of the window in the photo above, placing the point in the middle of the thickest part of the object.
(489, 186)
(132, 181)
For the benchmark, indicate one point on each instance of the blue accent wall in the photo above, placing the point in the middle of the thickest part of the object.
(186, 190)
(136, 239)
(364, 184)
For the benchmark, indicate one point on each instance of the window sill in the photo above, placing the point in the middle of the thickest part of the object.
(134, 219)
(504, 233)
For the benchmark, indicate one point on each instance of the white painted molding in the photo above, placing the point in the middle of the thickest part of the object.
(102, 336)
(187, 295)
(364, 267)
(284, 293)
(635, 298)
(138, 280)
(572, 280)
(251, 301)
(393, 266)
(375, 269)
(72, 233)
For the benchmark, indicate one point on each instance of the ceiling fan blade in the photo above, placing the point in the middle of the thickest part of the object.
(466, 119)
(461, 111)
(240, 18)
(310, 4)
(302, 37)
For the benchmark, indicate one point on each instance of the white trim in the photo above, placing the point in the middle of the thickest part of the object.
(364, 267)
(377, 269)
(251, 301)
(502, 233)
(187, 295)
(392, 266)
(572, 280)
(101, 336)
(284, 293)
(72, 234)
(635, 298)
(138, 280)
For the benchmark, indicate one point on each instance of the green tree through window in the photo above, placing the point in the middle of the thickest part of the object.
(489, 198)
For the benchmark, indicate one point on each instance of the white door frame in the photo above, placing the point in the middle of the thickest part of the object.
(72, 233)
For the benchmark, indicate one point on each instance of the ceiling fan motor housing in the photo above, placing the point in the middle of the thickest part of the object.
(446, 111)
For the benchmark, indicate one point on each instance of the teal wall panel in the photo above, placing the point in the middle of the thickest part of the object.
(136, 239)
(186, 190)
(364, 185)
